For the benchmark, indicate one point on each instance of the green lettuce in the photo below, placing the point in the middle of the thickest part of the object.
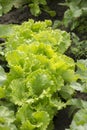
(39, 76)
(7, 119)
(39, 32)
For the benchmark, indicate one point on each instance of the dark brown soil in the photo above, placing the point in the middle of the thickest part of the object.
(62, 119)
(82, 96)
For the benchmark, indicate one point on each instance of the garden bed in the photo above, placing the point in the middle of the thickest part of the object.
(18, 16)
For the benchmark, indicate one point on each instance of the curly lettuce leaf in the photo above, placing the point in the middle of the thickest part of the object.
(3, 76)
(42, 70)
(82, 72)
(79, 121)
(7, 119)
(39, 32)
(18, 91)
(31, 119)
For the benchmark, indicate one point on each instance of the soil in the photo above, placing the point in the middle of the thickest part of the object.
(18, 16)
(62, 120)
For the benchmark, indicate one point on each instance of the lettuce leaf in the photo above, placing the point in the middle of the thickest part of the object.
(6, 119)
(80, 120)
(38, 32)
(3, 76)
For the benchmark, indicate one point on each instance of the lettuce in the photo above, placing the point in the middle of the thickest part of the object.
(39, 72)
(2, 76)
(79, 121)
(6, 119)
(39, 32)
